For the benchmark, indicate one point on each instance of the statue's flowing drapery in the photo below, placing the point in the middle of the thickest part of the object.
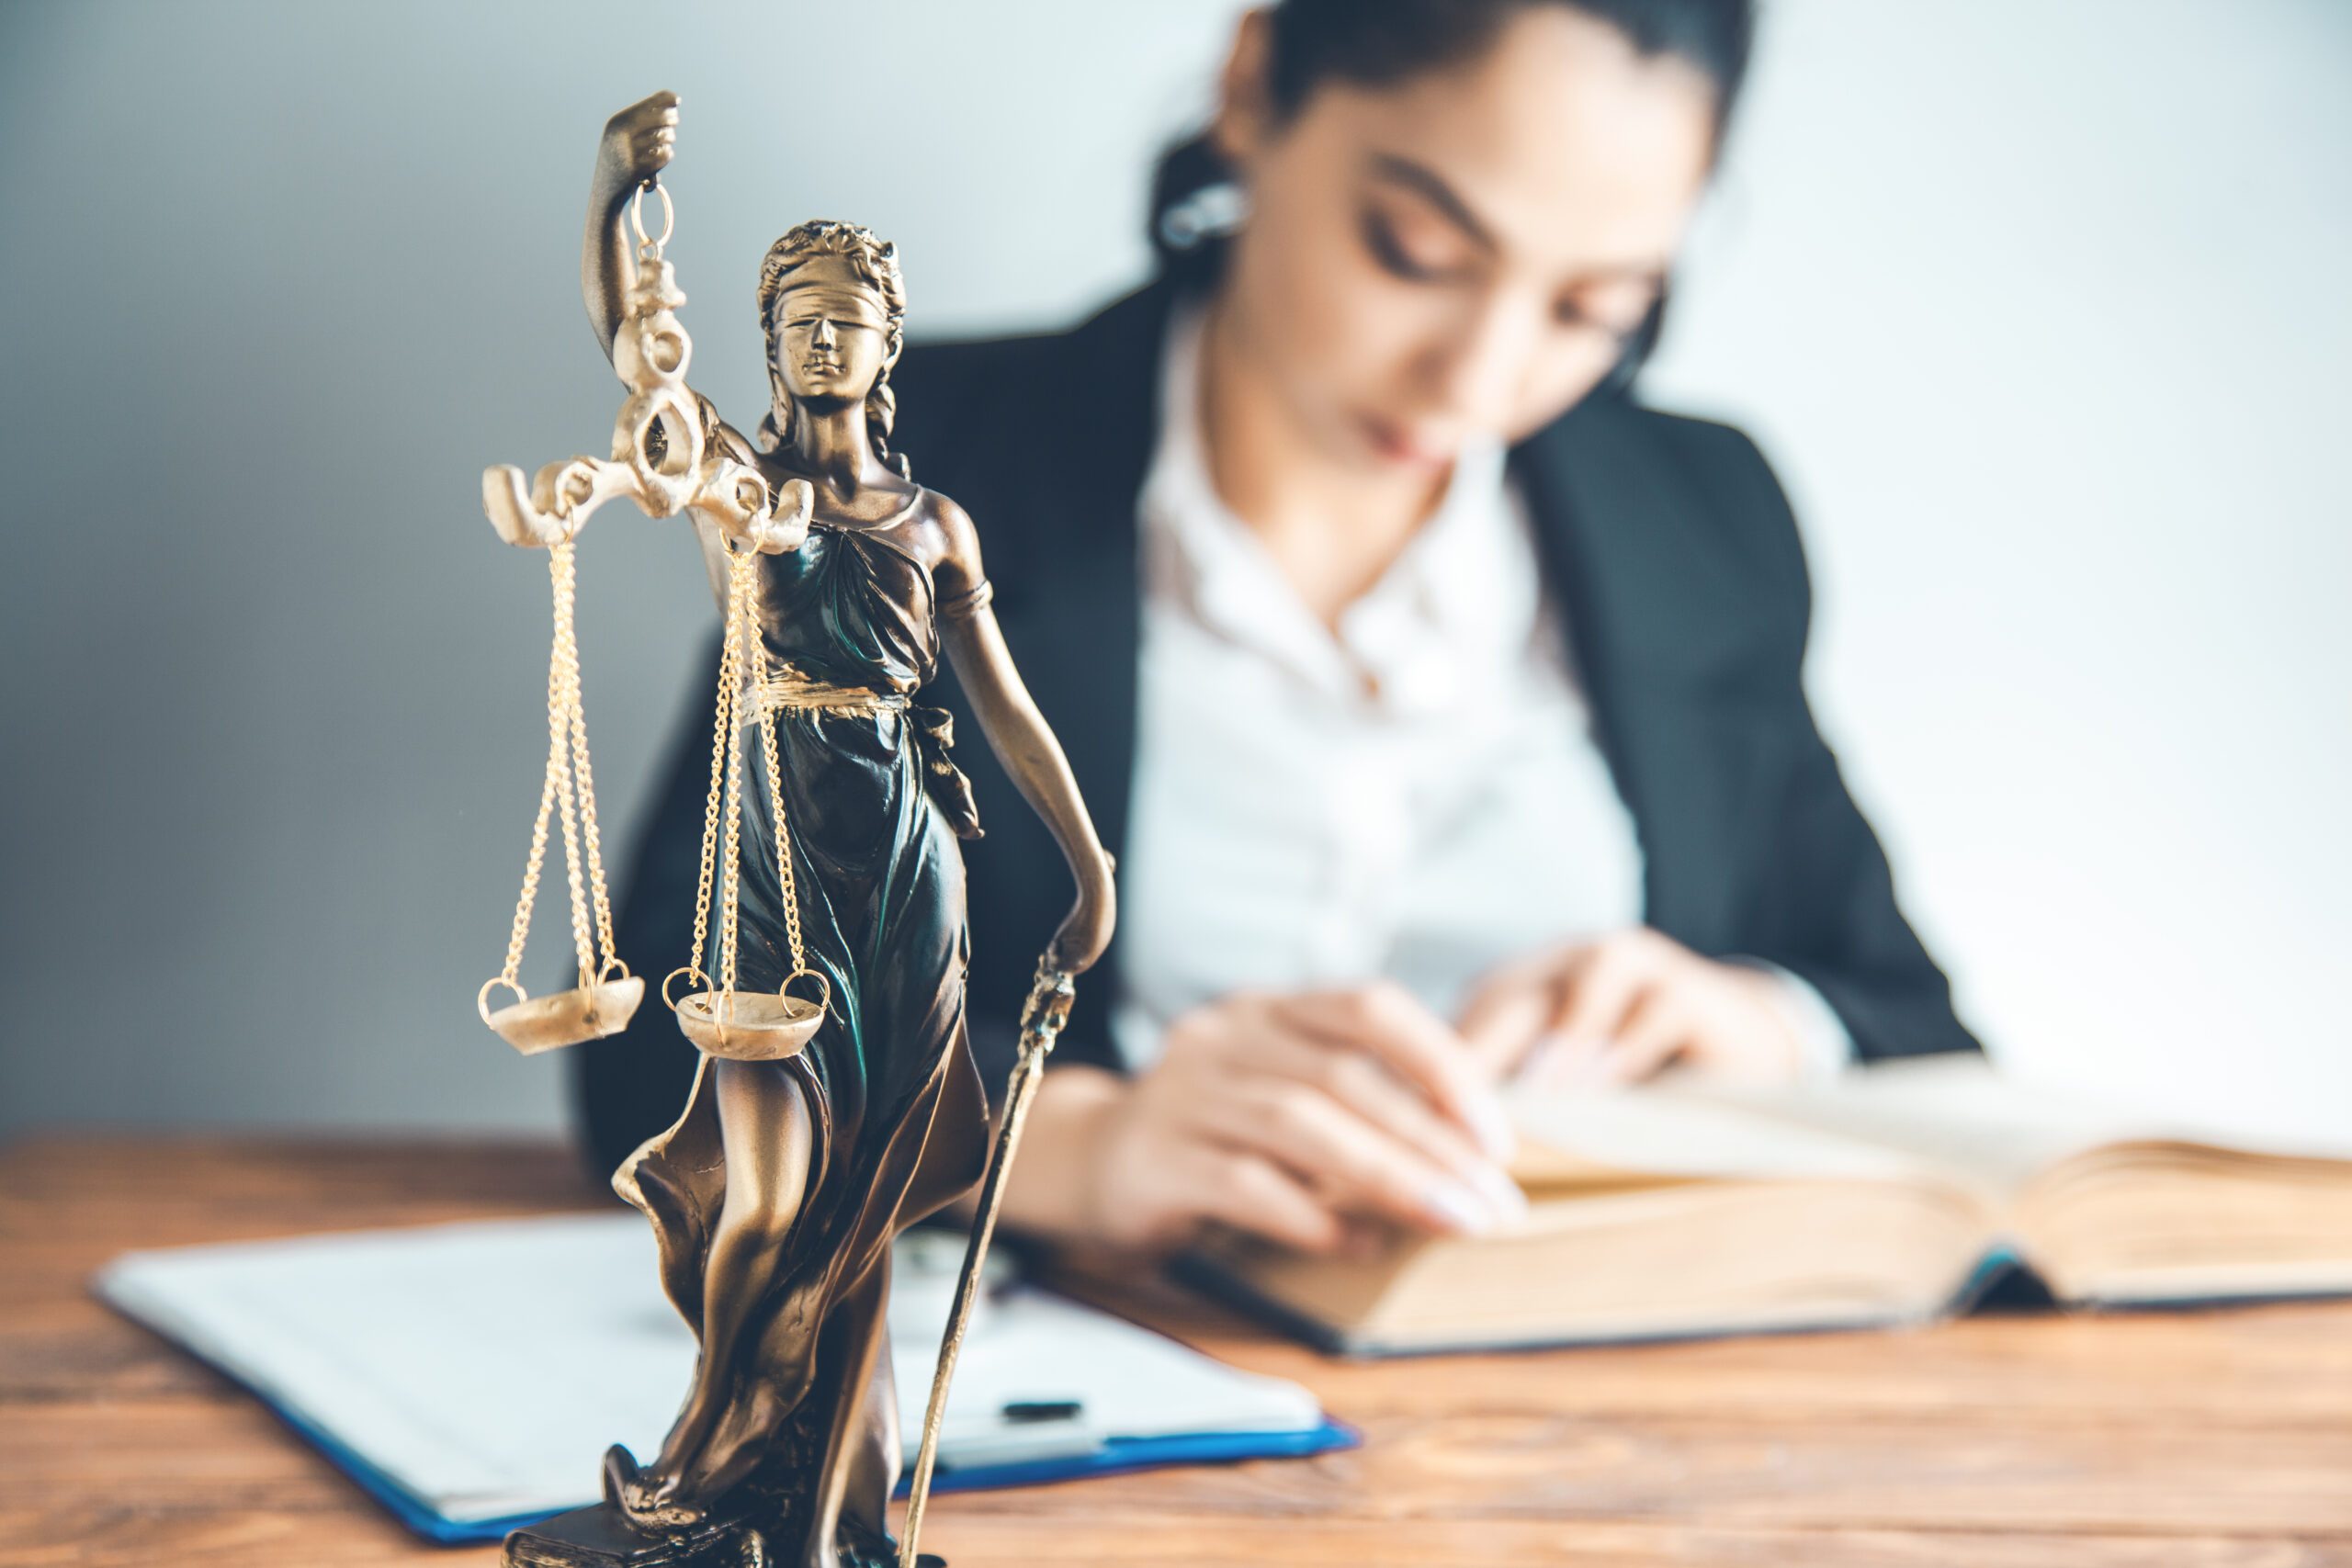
(874, 809)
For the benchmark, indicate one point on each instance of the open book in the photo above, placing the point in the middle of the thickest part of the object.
(1895, 1194)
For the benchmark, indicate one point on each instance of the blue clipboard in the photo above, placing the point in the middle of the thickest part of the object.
(1115, 1457)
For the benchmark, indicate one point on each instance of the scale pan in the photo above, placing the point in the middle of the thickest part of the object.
(566, 1018)
(760, 1026)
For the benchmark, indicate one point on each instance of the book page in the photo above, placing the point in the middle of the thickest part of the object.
(1954, 1115)
(1959, 1112)
(1954, 1112)
(1599, 1138)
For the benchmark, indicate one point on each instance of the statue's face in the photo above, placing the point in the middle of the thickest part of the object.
(833, 336)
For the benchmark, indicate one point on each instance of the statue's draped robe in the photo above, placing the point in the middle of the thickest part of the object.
(874, 809)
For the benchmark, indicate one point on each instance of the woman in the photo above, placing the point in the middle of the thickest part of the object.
(775, 1193)
(1441, 704)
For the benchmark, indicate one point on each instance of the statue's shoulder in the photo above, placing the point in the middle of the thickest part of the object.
(944, 519)
(952, 543)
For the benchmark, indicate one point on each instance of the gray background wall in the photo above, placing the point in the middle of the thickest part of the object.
(2038, 306)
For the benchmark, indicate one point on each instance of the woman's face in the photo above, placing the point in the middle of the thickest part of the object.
(832, 337)
(1462, 254)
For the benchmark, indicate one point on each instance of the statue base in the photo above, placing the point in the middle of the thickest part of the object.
(601, 1536)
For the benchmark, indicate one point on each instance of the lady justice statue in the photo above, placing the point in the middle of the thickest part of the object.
(821, 1123)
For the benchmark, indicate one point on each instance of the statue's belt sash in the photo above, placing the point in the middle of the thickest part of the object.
(789, 690)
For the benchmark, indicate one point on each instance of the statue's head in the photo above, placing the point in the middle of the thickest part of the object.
(834, 307)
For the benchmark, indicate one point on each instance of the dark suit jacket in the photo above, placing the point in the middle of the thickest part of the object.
(1667, 544)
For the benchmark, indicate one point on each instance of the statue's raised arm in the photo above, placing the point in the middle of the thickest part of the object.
(637, 144)
(670, 452)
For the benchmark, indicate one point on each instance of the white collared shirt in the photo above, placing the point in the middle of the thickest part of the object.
(1417, 798)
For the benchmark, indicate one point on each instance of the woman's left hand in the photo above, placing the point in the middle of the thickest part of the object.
(1624, 1007)
(1086, 930)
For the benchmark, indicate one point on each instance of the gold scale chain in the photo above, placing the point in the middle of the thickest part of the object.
(739, 655)
(569, 792)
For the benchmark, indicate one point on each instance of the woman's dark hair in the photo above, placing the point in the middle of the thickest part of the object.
(1380, 43)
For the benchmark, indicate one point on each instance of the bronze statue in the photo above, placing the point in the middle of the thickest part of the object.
(836, 1102)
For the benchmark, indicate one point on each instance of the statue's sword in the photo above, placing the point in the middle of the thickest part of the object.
(1042, 1017)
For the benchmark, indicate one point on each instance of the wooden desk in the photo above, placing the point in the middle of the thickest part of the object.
(2188, 1440)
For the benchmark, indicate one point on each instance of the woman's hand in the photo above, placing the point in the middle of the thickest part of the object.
(639, 143)
(1310, 1119)
(1086, 930)
(1624, 1007)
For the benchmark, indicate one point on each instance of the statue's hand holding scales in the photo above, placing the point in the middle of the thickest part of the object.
(663, 457)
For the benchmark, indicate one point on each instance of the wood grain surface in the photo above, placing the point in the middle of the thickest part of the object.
(2170, 1440)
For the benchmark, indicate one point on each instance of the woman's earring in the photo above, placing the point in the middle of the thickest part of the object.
(1209, 213)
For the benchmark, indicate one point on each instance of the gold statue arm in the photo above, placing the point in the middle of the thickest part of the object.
(637, 144)
(1024, 743)
(671, 452)
(1022, 740)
